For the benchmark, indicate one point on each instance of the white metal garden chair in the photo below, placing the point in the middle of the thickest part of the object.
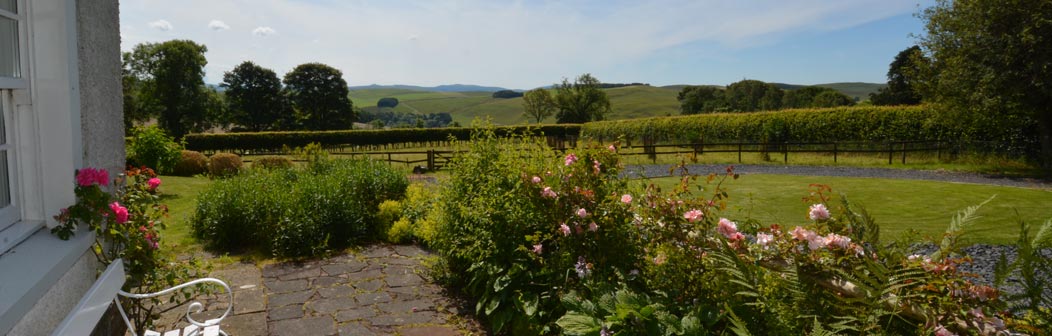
(107, 289)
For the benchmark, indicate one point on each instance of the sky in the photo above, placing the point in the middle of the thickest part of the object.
(526, 44)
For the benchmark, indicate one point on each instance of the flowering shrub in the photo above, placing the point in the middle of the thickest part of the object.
(126, 224)
(553, 244)
(150, 146)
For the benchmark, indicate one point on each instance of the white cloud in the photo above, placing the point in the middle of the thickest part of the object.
(162, 25)
(263, 31)
(217, 25)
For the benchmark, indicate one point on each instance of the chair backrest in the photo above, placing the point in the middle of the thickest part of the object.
(83, 318)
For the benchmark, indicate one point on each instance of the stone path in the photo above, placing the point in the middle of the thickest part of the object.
(380, 290)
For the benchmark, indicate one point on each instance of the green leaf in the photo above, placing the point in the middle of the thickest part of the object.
(493, 304)
(530, 301)
(574, 323)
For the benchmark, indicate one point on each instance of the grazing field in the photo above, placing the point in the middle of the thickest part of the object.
(897, 205)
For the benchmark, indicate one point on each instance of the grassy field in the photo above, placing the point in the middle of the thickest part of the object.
(897, 205)
(180, 194)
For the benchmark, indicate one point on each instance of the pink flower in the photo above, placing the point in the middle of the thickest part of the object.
(564, 229)
(941, 331)
(736, 236)
(152, 240)
(763, 239)
(536, 179)
(596, 165)
(835, 240)
(800, 233)
(727, 228)
(570, 159)
(88, 176)
(593, 227)
(818, 212)
(612, 149)
(154, 183)
(538, 248)
(582, 213)
(693, 215)
(626, 199)
(815, 242)
(120, 212)
(547, 192)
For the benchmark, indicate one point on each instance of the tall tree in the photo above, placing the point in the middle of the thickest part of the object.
(538, 104)
(831, 98)
(803, 97)
(752, 95)
(581, 101)
(254, 99)
(701, 99)
(991, 65)
(901, 77)
(319, 94)
(173, 89)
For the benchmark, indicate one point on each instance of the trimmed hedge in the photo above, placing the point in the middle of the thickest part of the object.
(864, 123)
(224, 164)
(277, 140)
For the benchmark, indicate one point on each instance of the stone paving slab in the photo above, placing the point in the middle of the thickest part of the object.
(379, 290)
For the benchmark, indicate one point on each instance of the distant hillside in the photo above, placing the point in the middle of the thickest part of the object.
(440, 88)
(851, 89)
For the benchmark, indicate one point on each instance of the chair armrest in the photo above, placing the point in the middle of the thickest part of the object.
(194, 307)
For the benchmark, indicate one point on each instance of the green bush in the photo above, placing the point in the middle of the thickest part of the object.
(224, 164)
(412, 218)
(297, 212)
(190, 163)
(278, 140)
(149, 146)
(272, 162)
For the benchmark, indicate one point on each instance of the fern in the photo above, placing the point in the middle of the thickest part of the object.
(952, 238)
(737, 325)
(880, 291)
(1034, 271)
(863, 226)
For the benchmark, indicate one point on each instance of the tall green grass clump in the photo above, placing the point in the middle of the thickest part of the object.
(327, 205)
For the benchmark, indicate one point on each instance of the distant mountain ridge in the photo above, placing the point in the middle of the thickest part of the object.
(440, 88)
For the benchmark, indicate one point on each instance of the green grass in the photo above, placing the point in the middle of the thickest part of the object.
(897, 205)
(180, 194)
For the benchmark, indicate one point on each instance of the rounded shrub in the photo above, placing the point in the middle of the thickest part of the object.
(224, 164)
(272, 162)
(190, 163)
(150, 147)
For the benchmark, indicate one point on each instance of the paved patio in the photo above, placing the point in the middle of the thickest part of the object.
(380, 290)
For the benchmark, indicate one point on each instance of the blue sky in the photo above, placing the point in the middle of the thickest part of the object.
(526, 44)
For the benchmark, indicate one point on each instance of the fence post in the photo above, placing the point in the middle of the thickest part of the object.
(739, 152)
(891, 151)
(430, 159)
(785, 151)
(903, 153)
(834, 152)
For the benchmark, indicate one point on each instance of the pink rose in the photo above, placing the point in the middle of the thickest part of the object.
(154, 183)
(120, 212)
(582, 213)
(88, 176)
(727, 228)
(818, 212)
(538, 248)
(593, 227)
(612, 149)
(835, 240)
(815, 242)
(547, 192)
(626, 199)
(763, 239)
(564, 229)
(570, 159)
(596, 165)
(693, 215)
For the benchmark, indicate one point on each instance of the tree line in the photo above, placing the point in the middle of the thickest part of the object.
(165, 81)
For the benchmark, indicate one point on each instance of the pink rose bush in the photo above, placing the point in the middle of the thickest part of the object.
(153, 183)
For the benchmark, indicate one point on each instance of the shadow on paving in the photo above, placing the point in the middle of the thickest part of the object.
(380, 290)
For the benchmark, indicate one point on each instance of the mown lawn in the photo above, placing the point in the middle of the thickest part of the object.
(180, 194)
(897, 205)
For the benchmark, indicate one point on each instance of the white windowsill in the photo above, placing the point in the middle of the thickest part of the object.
(31, 268)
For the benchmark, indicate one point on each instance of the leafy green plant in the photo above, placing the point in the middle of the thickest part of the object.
(1034, 271)
(190, 163)
(149, 146)
(224, 164)
(272, 162)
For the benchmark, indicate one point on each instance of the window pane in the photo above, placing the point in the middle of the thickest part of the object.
(8, 47)
(8, 5)
(5, 186)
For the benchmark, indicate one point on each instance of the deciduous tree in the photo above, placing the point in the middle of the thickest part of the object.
(701, 99)
(991, 66)
(538, 104)
(172, 85)
(901, 77)
(254, 99)
(319, 94)
(581, 101)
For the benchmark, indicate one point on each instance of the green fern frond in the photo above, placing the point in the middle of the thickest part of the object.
(1043, 238)
(960, 222)
(864, 227)
(737, 325)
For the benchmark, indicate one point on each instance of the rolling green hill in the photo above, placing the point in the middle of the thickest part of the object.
(627, 102)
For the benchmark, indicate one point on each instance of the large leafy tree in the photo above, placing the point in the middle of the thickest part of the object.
(538, 104)
(991, 66)
(831, 98)
(752, 95)
(319, 94)
(701, 99)
(170, 86)
(902, 75)
(254, 99)
(581, 101)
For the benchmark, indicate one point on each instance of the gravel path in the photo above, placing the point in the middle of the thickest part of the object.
(929, 175)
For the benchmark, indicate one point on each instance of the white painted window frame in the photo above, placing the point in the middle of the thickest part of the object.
(13, 92)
